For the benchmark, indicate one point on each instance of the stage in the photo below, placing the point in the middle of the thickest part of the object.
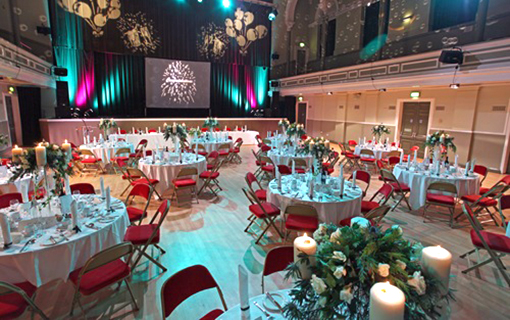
(57, 130)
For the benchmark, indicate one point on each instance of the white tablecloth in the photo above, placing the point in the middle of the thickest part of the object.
(418, 182)
(42, 264)
(284, 158)
(330, 209)
(106, 151)
(247, 136)
(379, 153)
(234, 313)
(153, 139)
(17, 183)
(210, 145)
(167, 172)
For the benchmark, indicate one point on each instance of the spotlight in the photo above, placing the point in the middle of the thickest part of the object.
(226, 3)
(455, 86)
(200, 1)
(330, 93)
(272, 15)
(11, 89)
(300, 98)
(382, 90)
(301, 44)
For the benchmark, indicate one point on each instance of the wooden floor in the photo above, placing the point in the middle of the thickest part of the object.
(211, 234)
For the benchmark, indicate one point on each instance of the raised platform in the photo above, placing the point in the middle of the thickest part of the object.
(57, 130)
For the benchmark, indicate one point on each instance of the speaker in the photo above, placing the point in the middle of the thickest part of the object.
(62, 110)
(454, 55)
(61, 72)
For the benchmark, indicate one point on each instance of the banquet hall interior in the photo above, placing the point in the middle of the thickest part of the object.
(254, 159)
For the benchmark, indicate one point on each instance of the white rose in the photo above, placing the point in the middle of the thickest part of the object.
(418, 283)
(340, 272)
(398, 228)
(339, 255)
(334, 236)
(402, 265)
(383, 269)
(318, 285)
(346, 295)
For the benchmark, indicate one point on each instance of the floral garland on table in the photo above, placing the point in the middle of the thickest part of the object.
(379, 130)
(295, 129)
(350, 260)
(284, 124)
(57, 163)
(211, 123)
(317, 147)
(441, 140)
(176, 130)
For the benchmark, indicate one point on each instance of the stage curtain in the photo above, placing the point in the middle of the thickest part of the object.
(120, 84)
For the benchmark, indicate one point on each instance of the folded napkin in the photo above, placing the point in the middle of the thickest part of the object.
(101, 181)
(24, 192)
(74, 214)
(243, 293)
(108, 199)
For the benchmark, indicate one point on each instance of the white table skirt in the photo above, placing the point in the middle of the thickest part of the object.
(40, 265)
(247, 136)
(167, 172)
(283, 159)
(210, 145)
(328, 211)
(18, 183)
(379, 153)
(418, 182)
(153, 139)
(107, 152)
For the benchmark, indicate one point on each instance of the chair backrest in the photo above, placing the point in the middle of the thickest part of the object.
(267, 160)
(443, 187)
(393, 153)
(87, 152)
(257, 157)
(162, 212)
(265, 148)
(299, 163)
(250, 178)
(377, 214)
(224, 146)
(284, 169)
(352, 143)
(213, 155)
(301, 210)
(278, 259)
(122, 151)
(142, 144)
(5, 199)
(415, 148)
(477, 226)
(140, 190)
(388, 176)
(184, 284)
(122, 131)
(367, 153)
(84, 188)
(188, 171)
(393, 160)
(135, 173)
(481, 170)
(364, 176)
(106, 256)
(386, 191)
(504, 202)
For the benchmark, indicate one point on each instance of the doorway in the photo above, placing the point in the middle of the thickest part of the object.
(414, 125)
(301, 110)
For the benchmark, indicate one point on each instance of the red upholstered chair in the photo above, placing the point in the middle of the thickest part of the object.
(121, 157)
(505, 180)
(300, 217)
(362, 176)
(235, 150)
(5, 199)
(284, 169)
(146, 235)
(122, 131)
(349, 157)
(496, 245)
(230, 138)
(489, 200)
(265, 148)
(135, 176)
(411, 151)
(217, 129)
(139, 150)
(367, 158)
(481, 170)
(186, 283)
(398, 187)
(442, 194)
(268, 170)
(90, 162)
(210, 179)
(261, 211)
(16, 298)
(239, 129)
(384, 194)
(258, 162)
(329, 165)
(186, 180)
(277, 259)
(224, 150)
(212, 159)
(144, 191)
(229, 129)
(83, 188)
(204, 129)
(101, 271)
(352, 143)
(260, 193)
(153, 130)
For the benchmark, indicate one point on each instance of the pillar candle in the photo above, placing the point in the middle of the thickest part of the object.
(244, 296)
(467, 169)
(342, 182)
(341, 170)
(415, 156)
(133, 130)
(436, 263)
(40, 155)
(387, 302)
(16, 153)
(354, 179)
(401, 156)
(308, 246)
(456, 160)
(118, 130)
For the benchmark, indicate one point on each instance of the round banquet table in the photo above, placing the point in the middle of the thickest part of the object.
(154, 140)
(210, 145)
(166, 170)
(247, 136)
(284, 158)
(21, 184)
(418, 181)
(234, 313)
(41, 263)
(330, 208)
(380, 153)
(106, 151)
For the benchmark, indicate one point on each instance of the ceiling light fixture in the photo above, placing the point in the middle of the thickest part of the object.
(272, 15)
(455, 86)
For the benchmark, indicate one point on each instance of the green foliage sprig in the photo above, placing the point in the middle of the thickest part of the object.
(284, 124)
(379, 130)
(211, 123)
(105, 124)
(317, 147)
(178, 130)
(295, 129)
(442, 140)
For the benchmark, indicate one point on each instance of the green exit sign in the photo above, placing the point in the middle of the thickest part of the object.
(415, 94)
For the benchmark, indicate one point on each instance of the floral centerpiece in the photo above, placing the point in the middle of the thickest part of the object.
(211, 123)
(57, 163)
(317, 147)
(349, 261)
(106, 125)
(175, 130)
(194, 131)
(295, 130)
(379, 130)
(284, 124)
(440, 141)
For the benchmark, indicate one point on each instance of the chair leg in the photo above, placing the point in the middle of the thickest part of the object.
(478, 265)
(129, 185)
(160, 249)
(467, 253)
(131, 294)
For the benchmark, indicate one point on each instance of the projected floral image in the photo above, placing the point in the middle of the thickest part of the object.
(212, 41)
(138, 33)
(238, 29)
(179, 83)
(95, 12)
